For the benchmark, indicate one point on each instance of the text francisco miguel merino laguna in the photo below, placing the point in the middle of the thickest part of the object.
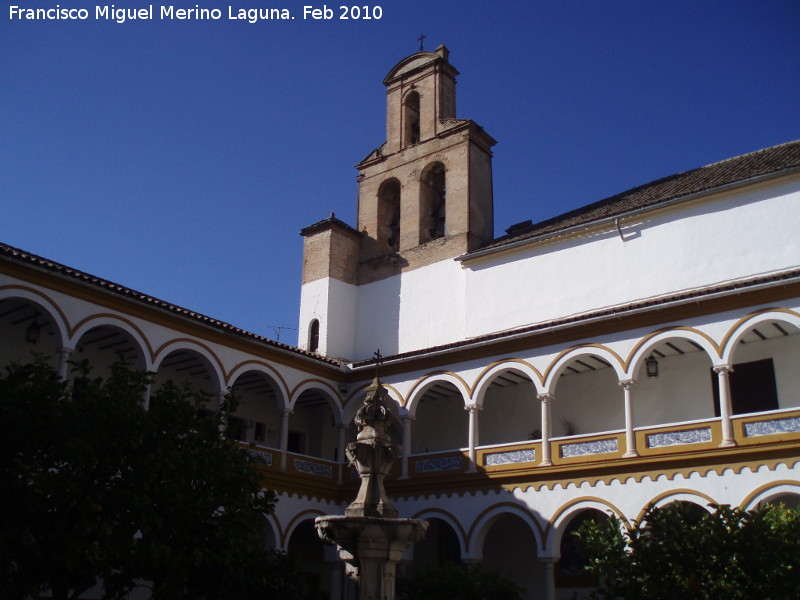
(109, 12)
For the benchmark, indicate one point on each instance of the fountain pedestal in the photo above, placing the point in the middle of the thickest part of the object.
(369, 536)
(372, 546)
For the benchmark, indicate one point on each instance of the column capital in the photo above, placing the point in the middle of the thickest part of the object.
(287, 412)
(549, 560)
(723, 370)
(407, 417)
(627, 383)
(473, 408)
(545, 397)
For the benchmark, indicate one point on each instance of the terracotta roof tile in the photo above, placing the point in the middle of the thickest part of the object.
(774, 160)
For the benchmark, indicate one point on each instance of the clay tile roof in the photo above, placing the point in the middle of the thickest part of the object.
(20, 256)
(774, 160)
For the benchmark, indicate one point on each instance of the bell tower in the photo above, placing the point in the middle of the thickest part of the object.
(425, 195)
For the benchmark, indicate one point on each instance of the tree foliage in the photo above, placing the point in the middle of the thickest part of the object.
(456, 581)
(677, 553)
(96, 491)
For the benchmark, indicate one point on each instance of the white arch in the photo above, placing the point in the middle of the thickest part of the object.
(565, 516)
(430, 380)
(42, 302)
(212, 361)
(683, 496)
(272, 375)
(106, 320)
(642, 353)
(769, 494)
(484, 524)
(458, 529)
(558, 367)
(486, 378)
(741, 329)
(330, 393)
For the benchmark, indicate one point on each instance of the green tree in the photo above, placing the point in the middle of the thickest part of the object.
(681, 552)
(96, 491)
(457, 582)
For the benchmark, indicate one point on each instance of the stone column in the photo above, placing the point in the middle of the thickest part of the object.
(549, 577)
(547, 459)
(63, 362)
(341, 430)
(407, 419)
(473, 410)
(723, 377)
(284, 441)
(630, 436)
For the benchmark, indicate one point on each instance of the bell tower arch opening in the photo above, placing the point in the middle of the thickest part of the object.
(433, 196)
(411, 120)
(389, 216)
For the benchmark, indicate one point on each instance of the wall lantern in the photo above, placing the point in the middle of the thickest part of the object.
(32, 332)
(651, 364)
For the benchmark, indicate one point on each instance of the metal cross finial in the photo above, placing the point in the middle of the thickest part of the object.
(422, 42)
(378, 357)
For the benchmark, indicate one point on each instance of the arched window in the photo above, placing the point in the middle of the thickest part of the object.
(313, 335)
(411, 120)
(389, 215)
(433, 195)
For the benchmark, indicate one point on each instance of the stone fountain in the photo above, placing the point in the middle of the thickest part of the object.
(369, 536)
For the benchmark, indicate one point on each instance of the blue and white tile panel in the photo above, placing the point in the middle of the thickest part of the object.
(508, 458)
(771, 427)
(450, 463)
(584, 448)
(265, 458)
(312, 468)
(678, 438)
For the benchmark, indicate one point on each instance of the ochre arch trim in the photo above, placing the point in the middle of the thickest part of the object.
(742, 325)
(305, 515)
(496, 510)
(660, 499)
(559, 361)
(243, 367)
(86, 324)
(645, 341)
(748, 500)
(433, 377)
(51, 305)
(449, 518)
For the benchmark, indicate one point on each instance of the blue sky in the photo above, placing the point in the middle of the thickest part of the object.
(181, 158)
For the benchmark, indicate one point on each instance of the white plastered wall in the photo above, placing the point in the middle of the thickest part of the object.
(417, 309)
(333, 303)
(735, 235)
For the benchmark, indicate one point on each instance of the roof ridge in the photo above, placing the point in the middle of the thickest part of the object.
(658, 191)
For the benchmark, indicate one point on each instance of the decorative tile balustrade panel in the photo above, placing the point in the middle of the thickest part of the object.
(312, 468)
(771, 427)
(427, 465)
(677, 438)
(584, 448)
(511, 457)
(265, 458)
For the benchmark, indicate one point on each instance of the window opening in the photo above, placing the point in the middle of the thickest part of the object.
(313, 336)
(753, 387)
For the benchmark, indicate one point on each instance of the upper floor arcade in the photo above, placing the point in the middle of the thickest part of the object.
(711, 380)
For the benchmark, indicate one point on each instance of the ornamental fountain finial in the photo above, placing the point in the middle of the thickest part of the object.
(370, 537)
